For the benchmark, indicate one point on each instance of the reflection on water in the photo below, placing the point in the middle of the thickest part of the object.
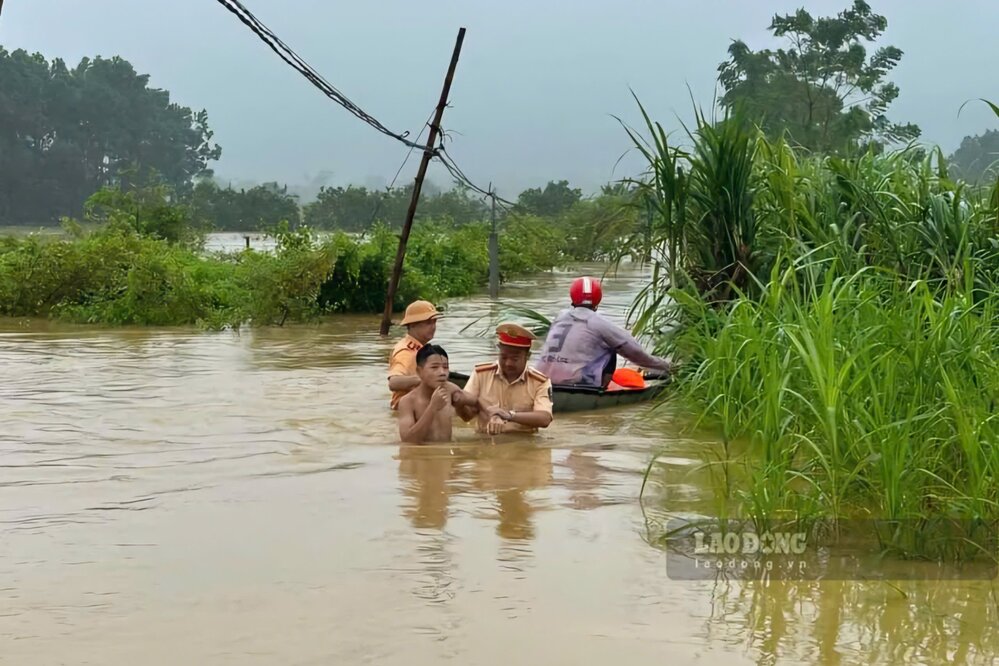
(832, 622)
(502, 474)
(426, 473)
(174, 496)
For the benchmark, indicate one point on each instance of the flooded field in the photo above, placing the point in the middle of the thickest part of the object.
(175, 496)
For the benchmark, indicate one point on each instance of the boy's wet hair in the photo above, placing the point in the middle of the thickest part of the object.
(426, 351)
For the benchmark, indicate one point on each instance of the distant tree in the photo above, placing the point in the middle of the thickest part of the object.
(457, 205)
(597, 228)
(66, 133)
(268, 204)
(978, 157)
(350, 209)
(356, 209)
(261, 207)
(823, 89)
(553, 200)
(618, 189)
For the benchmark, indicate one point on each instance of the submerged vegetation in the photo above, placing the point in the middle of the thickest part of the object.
(838, 317)
(137, 258)
(135, 255)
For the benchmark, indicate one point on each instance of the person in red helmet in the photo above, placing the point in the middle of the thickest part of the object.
(582, 345)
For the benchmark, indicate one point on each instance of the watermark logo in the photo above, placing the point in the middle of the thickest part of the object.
(750, 543)
(846, 550)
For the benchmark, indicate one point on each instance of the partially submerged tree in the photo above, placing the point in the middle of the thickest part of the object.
(822, 89)
(257, 208)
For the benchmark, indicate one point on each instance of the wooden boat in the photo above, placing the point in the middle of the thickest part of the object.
(568, 398)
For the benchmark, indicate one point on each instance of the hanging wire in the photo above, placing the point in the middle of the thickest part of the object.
(459, 175)
(287, 54)
(378, 203)
(410, 152)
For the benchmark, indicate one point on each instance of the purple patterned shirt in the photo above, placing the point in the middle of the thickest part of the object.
(581, 341)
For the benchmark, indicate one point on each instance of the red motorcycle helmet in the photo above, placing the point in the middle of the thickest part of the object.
(585, 291)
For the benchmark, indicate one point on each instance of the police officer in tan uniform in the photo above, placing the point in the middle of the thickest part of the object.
(506, 395)
(421, 325)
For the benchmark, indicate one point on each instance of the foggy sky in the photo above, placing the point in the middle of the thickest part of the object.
(535, 90)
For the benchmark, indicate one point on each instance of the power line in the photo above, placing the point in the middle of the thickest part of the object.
(378, 202)
(287, 54)
(459, 175)
(410, 151)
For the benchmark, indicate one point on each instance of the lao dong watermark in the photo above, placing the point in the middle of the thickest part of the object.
(750, 543)
(850, 550)
(746, 553)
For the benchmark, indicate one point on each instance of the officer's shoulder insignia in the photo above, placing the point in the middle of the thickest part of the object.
(537, 374)
(412, 346)
(484, 367)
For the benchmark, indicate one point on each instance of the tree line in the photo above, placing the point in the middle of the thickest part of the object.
(66, 133)
(356, 209)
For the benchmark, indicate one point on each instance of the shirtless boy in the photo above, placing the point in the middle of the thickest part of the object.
(425, 413)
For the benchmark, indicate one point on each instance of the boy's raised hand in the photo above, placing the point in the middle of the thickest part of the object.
(440, 399)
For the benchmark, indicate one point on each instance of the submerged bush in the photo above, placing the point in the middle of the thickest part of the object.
(530, 243)
(122, 273)
(116, 276)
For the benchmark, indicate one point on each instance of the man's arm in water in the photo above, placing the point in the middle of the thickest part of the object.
(534, 419)
(413, 429)
(407, 420)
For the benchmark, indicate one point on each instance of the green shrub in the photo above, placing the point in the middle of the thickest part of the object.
(129, 272)
(530, 243)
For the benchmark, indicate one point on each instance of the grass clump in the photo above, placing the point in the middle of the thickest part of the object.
(838, 318)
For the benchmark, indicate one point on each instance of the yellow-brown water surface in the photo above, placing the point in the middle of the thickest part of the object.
(184, 497)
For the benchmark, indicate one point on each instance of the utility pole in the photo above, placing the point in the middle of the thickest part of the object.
(1, 6)
(493, 250)
(428, 153)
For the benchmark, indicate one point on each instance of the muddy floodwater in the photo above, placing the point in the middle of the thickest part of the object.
(183, 497)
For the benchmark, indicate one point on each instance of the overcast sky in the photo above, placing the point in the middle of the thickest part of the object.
(536, 88)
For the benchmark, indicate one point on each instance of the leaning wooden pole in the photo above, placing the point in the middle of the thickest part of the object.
(1, 6)
(428, 153)
(493, 249)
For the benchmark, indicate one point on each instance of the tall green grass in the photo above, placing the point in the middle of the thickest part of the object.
(839, 319)
(868, 398)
